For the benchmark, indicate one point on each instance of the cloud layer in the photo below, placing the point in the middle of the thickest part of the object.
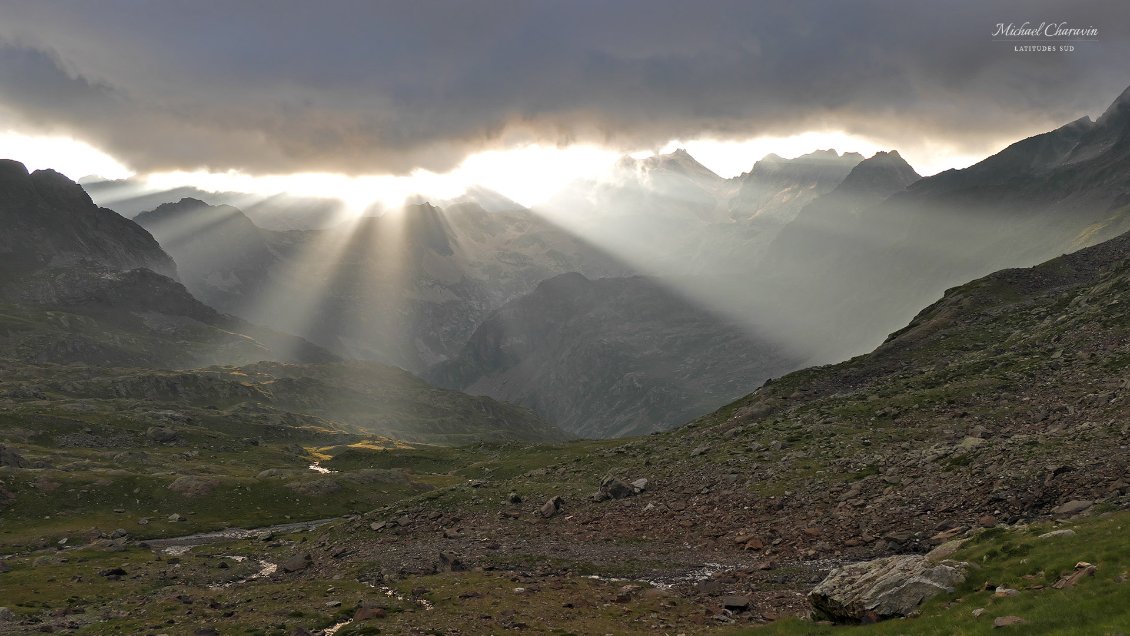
(364, 87)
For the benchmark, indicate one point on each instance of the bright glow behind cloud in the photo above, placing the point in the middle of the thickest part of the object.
(530, 174)
(73, 158)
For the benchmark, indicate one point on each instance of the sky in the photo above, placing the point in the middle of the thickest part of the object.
(348, 97)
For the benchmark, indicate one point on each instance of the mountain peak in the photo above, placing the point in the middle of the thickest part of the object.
(678, 162)
(817, 159)
(12, 168)
(50, 221)
(1118, 109)
(884, 172)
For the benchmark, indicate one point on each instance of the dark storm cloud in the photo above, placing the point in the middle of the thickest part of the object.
(367, 87)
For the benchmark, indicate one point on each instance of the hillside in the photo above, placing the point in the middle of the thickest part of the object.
(1040, 197)
(610, 357)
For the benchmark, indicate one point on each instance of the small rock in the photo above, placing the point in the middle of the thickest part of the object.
(176, 517)
(978, 612)
(1005, 592)
(377, 525)
(514, 498)
(640, 484)
(451, 533)
(367, 613)
(333, 603)
(986, 521)
(1007, 621)
(7, 615)
(552, 506)
(626, 593)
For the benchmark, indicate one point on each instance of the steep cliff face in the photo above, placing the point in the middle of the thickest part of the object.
(49, 221)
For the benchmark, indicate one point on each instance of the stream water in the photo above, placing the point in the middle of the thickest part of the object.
(228, 534)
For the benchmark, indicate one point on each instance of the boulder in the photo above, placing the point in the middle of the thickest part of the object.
(1082, 570)
(1073, 507)
(884, 588)
(193, 486)
(612, 488)
(9, 457)
(449, 562)
(945, 551)
(1007, 621)
(736, 603)
(161, 434)
(297, 563)
(616, 488)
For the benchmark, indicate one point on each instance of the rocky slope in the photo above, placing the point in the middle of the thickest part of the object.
(609, 357)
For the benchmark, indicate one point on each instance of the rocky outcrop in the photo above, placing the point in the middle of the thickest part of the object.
(883, 588)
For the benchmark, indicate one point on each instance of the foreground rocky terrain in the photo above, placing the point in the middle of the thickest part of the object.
(1001, 405)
